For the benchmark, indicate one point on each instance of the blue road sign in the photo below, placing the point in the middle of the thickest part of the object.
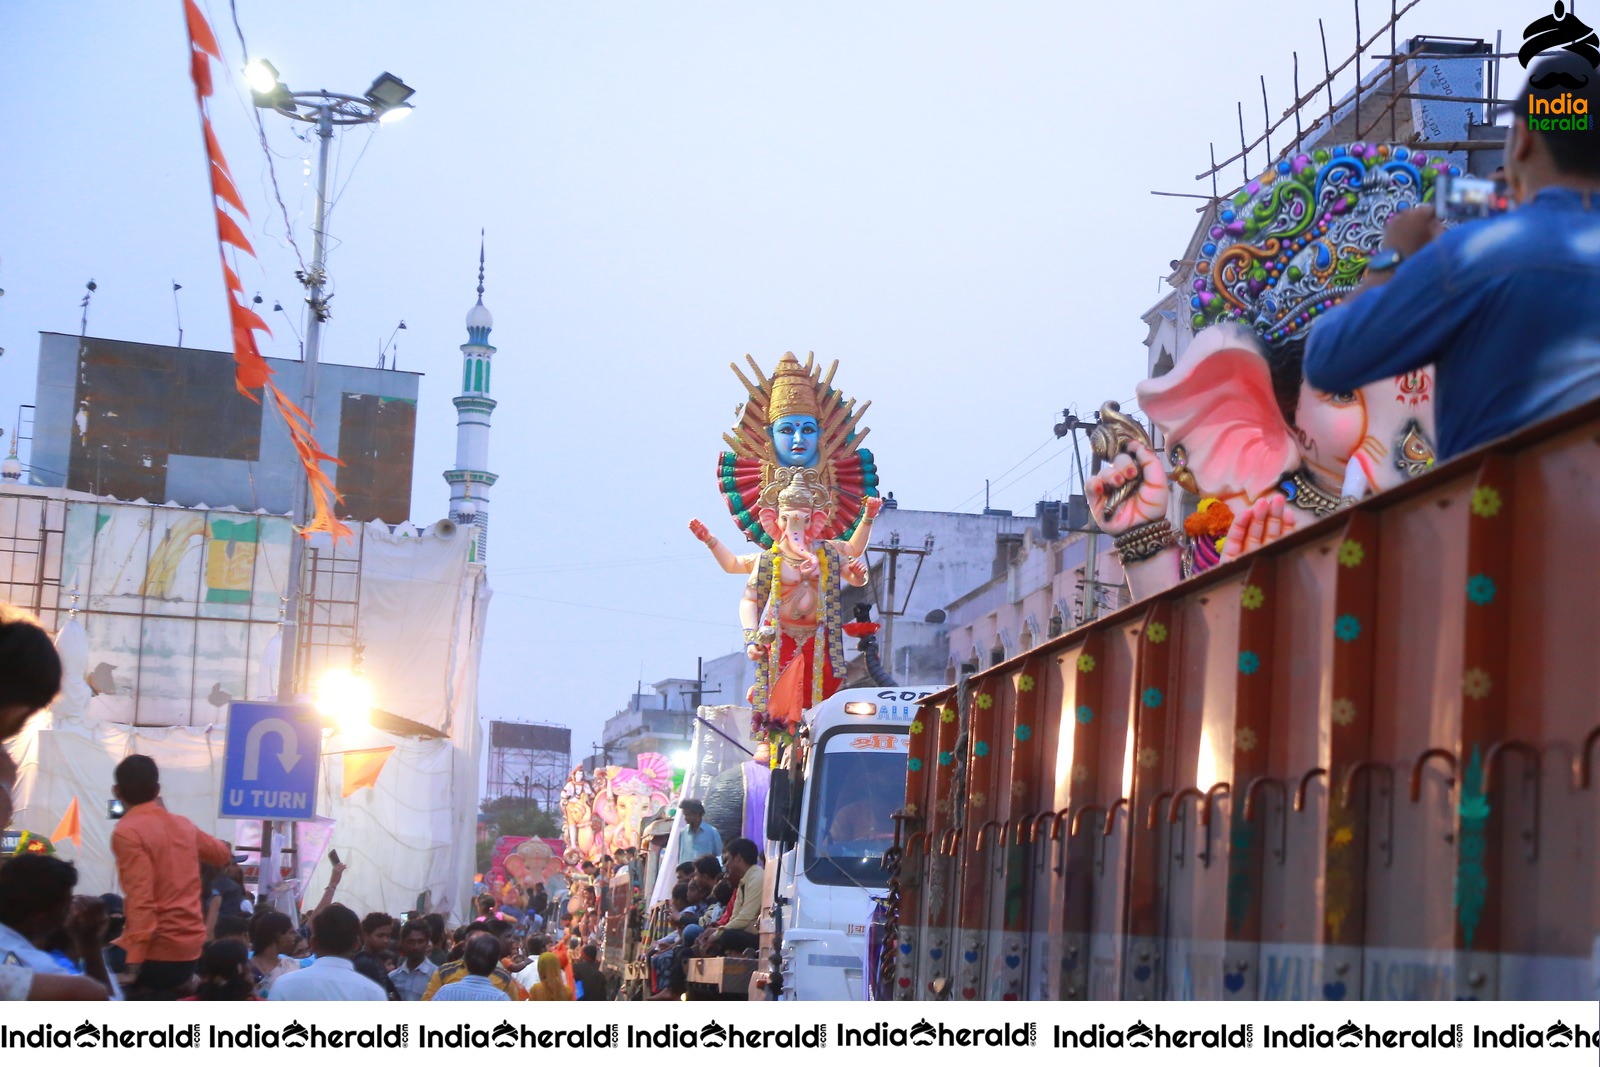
(269, 767)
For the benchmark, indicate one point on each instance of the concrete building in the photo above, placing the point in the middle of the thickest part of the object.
(1042, 589)
(166, 425)
(661, 721)
(963, 551)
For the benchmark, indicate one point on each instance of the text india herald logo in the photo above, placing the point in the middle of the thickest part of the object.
(1548, 108)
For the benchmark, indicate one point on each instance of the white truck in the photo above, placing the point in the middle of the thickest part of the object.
(829, 823)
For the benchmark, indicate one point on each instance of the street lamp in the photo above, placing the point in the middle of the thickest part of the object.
(384, 100)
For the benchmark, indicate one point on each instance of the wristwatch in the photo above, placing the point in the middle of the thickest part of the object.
(1386, 259)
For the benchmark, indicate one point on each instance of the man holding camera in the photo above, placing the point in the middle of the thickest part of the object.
(1507, 307)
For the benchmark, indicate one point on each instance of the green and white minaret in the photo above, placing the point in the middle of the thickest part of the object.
(471, 481)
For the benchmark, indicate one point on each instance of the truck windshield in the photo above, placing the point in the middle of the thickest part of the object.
(860, 782)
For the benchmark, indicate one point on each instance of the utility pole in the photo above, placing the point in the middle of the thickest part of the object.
(289, 653)
(1070, 423)
(894, 550)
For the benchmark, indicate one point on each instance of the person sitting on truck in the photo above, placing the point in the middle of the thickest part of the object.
(1507, 308)
(738, 933)
(708, 871)
(717, 905)
(685, 872)
(698, 838)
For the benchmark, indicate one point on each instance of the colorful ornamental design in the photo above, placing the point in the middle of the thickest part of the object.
(1292, 243)
(796, 418)
(1351, 553)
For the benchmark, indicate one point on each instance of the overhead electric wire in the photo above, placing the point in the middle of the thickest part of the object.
(1002, 474)
(266, 149)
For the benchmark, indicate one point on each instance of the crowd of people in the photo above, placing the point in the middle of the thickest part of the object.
(186, 927)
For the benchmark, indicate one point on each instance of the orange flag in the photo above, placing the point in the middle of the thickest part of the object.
(71, 825)
(251, 371)
(361, 769)
(786, 702)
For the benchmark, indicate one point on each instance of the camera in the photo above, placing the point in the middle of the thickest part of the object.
(1460, 197)
(115, 809)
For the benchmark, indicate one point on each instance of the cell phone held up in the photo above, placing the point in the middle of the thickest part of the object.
(1458, 198)
(115, 809)
(333, 856)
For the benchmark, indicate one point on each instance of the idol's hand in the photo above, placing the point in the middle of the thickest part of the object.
(1259, 524)
(698, 528)
(1130, 491)
(873, 506)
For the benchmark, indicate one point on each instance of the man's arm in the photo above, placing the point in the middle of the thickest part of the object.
(137, 875)
(217, 853)
(330, 889)
(1394, 325)
(716, 840)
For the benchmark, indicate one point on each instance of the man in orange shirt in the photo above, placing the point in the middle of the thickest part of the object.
(158, 862)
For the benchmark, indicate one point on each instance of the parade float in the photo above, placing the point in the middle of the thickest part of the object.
(602, 810)
(1343, 744)
(819, 775)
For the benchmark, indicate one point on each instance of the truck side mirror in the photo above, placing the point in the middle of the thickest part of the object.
(783, 808)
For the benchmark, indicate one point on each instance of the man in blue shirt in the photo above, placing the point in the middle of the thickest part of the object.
(1508, 308)
(697, 838)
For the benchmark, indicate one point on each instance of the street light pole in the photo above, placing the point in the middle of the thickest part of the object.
(385, 100)
(290, 645)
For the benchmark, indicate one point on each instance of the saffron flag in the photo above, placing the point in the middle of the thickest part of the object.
(250, 367)
(71, 825)
(361, 769)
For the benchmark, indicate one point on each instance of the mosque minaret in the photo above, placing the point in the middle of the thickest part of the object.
(471, 480)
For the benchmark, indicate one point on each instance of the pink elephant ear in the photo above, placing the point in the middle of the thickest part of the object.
(1219, 405)
(768, 518)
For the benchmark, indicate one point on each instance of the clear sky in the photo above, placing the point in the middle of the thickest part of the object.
(953, 200)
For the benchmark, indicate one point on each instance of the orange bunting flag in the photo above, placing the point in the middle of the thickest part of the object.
(251, 371)
(71, 825)
(361, 769)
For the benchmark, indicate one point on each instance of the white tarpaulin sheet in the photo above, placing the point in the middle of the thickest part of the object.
(410, 602)
(177, 616)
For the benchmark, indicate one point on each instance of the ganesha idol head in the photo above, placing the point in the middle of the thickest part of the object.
(1239, 421)
(1238, 418)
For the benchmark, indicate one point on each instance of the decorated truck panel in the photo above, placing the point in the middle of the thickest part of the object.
(1357, 763)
